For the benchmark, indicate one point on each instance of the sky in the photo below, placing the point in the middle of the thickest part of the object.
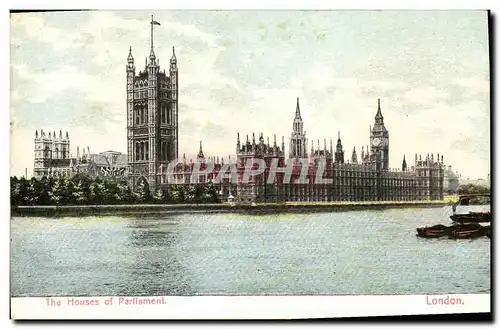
(242, 71)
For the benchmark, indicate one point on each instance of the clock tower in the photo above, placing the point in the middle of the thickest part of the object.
(379, 141)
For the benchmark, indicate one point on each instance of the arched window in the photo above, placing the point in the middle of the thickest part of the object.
(137, 115)
(46, 152)
(141, 109)
(64, 153)
(147, 150)
(142, 150)
(57, 153)
(137, 151)
(145, 113)
(168, 150)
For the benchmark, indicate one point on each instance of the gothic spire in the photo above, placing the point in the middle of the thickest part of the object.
(297, 111)
(403, 166)
(200, 153)
(173, 59)
(354, 157)
(379, 111)
(130, 58)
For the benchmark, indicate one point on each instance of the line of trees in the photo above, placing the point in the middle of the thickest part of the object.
(82, 190)
(473, 189)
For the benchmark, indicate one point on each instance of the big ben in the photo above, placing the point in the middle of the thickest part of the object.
(379, 141)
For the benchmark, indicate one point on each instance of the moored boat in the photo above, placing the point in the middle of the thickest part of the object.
(472, 217)
(465, 203)
(456, 231)
(435, 231)
(468, 231)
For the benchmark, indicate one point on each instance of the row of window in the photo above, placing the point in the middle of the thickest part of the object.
(47, 153)
(142, 151)
(145, 94)
(141, 114)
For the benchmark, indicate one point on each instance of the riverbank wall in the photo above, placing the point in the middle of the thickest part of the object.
(259, 208)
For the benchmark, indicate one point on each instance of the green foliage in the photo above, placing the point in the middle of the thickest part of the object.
(207, 193)
(158, 196)
(142, 193)
(473, 189)
(81, 190)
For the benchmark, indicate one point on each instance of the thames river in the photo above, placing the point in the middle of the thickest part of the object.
(355, 252)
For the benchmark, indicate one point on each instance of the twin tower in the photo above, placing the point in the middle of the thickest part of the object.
(152, 116)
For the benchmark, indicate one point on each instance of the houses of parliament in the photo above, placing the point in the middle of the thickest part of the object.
(152, 113)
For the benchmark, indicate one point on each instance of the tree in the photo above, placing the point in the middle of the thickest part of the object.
(142, 193)
(79, 194)
(123, 193)
(178, 194)
(190, 194)
(158, 196)
(97, 192)
(67, 186)
(473, 189)
(55, 193)
(31, 197)
(44, 185)
(15, 191)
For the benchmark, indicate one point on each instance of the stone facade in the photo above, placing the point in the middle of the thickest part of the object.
(152, 117)
(53, 159)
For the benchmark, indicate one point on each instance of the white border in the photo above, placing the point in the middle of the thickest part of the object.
(247, 307)
(247, 303)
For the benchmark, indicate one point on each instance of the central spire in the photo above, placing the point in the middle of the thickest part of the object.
(297, 110)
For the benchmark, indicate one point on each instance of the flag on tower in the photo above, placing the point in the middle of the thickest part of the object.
(155, 23)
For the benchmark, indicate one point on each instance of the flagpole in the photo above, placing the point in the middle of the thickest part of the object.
(151, 32)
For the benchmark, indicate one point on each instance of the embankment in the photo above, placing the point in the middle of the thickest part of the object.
(253, 208)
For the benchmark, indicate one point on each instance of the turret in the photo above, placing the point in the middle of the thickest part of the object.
(354, 157)
(200, 152)
(173, 59)
(403, 166)
(339, 152)
(130, 58)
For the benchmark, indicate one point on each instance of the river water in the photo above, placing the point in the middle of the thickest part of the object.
(355, 252)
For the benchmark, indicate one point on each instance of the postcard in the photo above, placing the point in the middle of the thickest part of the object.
(221, 164)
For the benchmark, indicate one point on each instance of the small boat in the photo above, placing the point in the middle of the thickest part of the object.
(435, 231)
(471, 216)
(468, 231)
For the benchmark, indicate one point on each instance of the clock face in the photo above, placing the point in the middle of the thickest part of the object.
(376, 141)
